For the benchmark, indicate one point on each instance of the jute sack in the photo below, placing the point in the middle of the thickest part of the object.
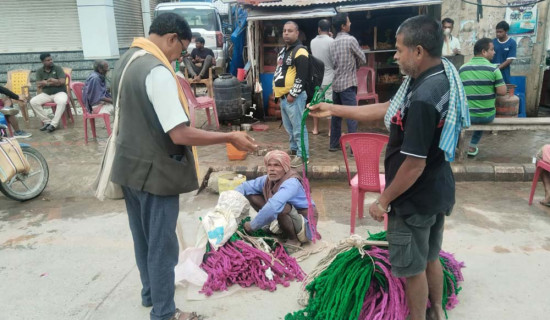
(12, 159)
(104, 187)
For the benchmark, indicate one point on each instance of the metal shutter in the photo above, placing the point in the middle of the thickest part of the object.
(39, 25)
(129, 22)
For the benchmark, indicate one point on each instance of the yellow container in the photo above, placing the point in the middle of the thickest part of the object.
(230, 181)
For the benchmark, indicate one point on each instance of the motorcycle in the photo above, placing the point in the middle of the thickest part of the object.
(27, 186)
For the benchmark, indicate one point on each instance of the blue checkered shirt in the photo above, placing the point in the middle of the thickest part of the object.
(346, 55)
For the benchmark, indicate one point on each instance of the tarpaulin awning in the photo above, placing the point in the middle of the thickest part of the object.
(386, 5)
(271, 14)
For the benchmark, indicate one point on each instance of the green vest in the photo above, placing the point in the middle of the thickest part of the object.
(146, 159)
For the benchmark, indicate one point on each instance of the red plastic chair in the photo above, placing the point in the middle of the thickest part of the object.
(76, 87)
(541, 165)
(366, 79)
(366, 148)
(53, 105)
(198, 103)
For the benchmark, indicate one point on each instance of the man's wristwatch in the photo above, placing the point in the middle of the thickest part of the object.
(382, 208)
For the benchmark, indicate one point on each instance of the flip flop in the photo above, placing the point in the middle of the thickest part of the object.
(547, 204)
(473, 154)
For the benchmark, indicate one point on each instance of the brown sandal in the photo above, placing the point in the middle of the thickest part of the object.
(180, 315)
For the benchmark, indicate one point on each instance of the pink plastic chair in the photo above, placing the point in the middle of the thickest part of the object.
(541, 165)
(53, 105)
(76, 87)
(198, 103)
(366, 79)
(366, 148)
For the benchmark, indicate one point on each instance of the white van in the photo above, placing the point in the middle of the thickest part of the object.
(204, 20)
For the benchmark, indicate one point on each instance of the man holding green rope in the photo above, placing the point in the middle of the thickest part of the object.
(424, 119)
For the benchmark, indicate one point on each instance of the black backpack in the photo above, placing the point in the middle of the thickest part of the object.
(316, 71)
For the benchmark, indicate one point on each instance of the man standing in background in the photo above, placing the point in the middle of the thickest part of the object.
(505, 50)
(320, 48)
(451, 45)
(289, 86)
(347, 56)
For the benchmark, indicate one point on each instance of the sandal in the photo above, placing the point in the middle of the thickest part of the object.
(547, 204)
(180, 315)
(473, 153)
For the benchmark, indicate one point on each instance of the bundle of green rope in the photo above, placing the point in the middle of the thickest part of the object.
(355, 282)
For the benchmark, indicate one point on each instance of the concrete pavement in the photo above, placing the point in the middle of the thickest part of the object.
(66, 255)
(67, 259)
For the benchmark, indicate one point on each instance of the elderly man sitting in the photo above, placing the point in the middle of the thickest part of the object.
(280, 199)
(95, 94)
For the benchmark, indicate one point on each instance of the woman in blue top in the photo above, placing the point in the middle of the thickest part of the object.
(280, 199)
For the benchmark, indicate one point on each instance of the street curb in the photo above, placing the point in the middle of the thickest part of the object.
(500, 172)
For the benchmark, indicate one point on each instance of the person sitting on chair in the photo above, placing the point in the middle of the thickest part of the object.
(280, 200)
(95, 94)
(7, 109)
(51, 80)
(200, 59)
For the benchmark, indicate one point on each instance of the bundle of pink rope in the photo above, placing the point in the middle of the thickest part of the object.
(384, 303)
(240, 263)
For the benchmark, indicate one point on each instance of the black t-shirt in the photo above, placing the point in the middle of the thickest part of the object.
(415, 131)
(202, 53)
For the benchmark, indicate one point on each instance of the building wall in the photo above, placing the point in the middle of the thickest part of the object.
(530, 52)
(29, 21)
(39, 25)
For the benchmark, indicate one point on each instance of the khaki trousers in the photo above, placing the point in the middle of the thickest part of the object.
(60, 100)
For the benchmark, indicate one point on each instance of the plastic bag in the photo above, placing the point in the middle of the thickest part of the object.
(221, 223)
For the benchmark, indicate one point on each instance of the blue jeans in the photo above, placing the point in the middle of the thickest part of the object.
(476, 136)
(292, 120)
(153, 224)
(348, 98)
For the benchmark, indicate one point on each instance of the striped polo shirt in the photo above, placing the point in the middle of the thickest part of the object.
(480, 78)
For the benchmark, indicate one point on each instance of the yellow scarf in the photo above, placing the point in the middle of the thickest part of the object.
(152, 48)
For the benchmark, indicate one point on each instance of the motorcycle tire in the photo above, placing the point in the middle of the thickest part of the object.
(39, 167)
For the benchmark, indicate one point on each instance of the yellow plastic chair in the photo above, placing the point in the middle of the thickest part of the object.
(19, 82)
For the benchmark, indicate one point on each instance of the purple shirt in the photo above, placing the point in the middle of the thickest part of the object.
(94, 90)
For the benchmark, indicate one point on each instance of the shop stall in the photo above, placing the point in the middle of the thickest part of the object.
(373, 24)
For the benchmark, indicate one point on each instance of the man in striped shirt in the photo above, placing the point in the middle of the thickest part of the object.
(482, 81)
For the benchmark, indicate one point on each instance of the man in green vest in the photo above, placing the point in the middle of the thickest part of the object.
(482, 81)
(153, 161)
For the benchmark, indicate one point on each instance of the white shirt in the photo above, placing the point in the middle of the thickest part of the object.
(449, 46)
(320, 49)
(162, 91)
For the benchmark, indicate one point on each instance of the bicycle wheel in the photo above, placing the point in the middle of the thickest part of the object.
(23, 187)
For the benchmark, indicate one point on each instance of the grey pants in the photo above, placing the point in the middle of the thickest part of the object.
(194, 70)
(153, 224)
